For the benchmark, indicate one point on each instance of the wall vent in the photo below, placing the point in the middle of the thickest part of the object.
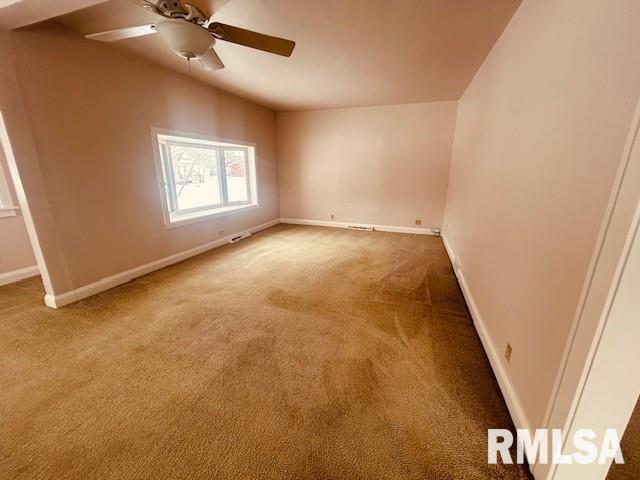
(366, 228)
(237, 238)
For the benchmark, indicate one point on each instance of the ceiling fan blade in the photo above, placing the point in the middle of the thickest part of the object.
(249, 38)
(210, 61)
(122, 33)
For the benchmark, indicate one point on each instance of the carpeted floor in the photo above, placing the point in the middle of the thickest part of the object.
(630, 446)
(299, 353)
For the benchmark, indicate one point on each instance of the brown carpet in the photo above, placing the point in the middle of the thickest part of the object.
(299, 353)
(630, 446)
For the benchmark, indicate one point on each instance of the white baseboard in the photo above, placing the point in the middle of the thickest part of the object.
(452, 255)
(17, 275)
(56, 301)
(509, 393)
(380, 228)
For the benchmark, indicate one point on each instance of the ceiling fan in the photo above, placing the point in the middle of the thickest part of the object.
(190, 34)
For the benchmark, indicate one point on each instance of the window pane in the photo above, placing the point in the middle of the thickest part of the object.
(235, 162)
(195, 173)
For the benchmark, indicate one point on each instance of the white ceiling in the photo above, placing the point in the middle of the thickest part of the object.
(26, 12)
(348, 52)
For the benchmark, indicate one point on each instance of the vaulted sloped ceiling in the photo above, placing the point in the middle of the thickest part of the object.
(18, 13)
(348, 52)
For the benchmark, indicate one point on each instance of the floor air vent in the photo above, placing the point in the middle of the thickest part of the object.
(237, 238)
(366, 228)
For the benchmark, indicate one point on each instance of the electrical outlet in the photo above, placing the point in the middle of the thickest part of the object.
(507, 352)
(332, 216)
(418, 222)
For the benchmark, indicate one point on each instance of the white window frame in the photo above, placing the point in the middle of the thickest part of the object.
(175, 218)
(8, 206)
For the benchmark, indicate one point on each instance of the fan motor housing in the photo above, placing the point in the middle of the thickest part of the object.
(184, 38)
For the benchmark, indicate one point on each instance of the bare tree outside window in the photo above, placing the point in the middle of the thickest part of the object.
(201, 177)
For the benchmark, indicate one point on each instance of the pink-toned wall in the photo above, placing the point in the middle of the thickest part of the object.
(90, 108)
(23, 147)
(15, 249)
(540, 133)
(376, 165)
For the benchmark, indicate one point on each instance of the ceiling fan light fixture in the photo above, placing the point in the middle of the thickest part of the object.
(185, 38)
(189, 34)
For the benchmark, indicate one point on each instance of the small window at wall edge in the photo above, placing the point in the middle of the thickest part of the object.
(7, 205)
(203, 177)
(5, 194)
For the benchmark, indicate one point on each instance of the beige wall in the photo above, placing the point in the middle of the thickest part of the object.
(380, 165)
(539, 137)
(90, 109)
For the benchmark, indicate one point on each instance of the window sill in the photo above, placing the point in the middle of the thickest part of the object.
(186, 219)
(8, 211)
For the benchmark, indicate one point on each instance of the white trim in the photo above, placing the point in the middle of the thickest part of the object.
(197, 138)
(179, 220)
(609, 393)
(514, 405)
(56, 301)
(590, 278)
(7, 150)
(188, 219)
(5, 193)
(8, 211)
(605, 270)
(452, 255)
(380, 228)
(17, 275)
(509, 393)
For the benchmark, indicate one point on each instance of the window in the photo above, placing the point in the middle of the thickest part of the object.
(7, 209)
(201, 177)
(7, 206)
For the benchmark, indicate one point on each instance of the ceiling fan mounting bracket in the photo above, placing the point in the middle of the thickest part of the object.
(177, 9)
